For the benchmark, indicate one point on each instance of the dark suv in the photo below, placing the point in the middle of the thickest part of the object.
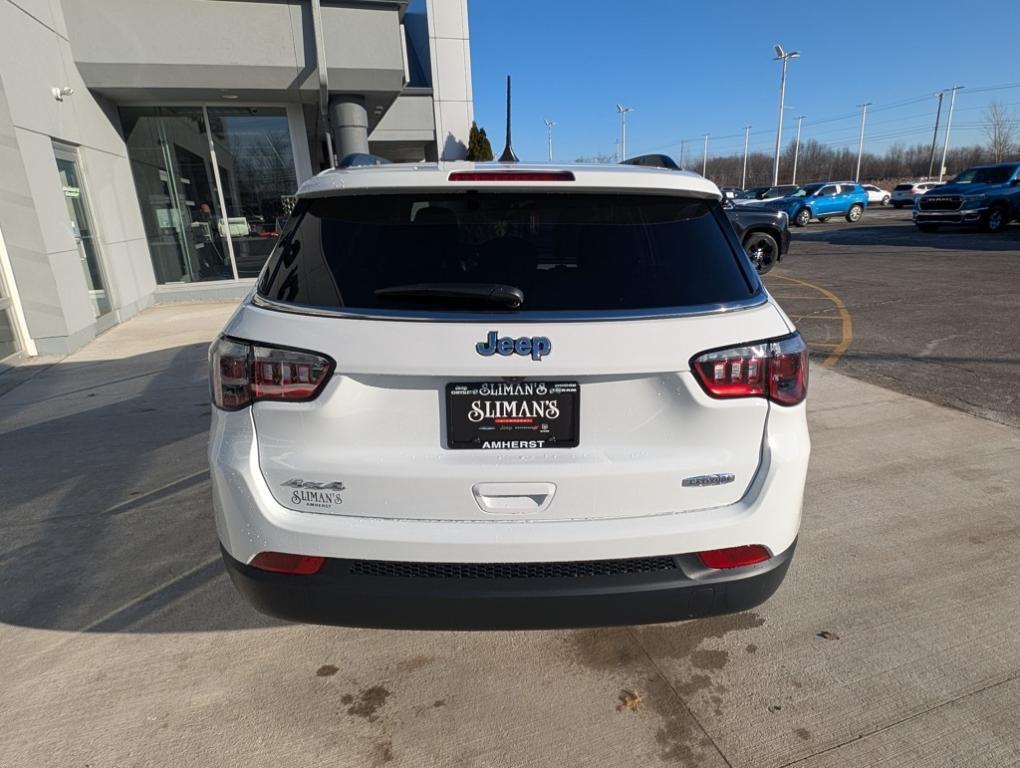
(987, 196)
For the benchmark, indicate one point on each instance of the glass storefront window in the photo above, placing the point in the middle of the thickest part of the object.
(181, 165)
(256, 166)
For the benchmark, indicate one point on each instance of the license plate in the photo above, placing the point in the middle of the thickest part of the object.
(493, 415)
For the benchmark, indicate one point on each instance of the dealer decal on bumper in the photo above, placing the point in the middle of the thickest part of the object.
(313, 495)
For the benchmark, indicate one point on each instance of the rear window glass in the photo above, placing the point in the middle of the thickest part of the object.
(903, 187)
(562, 252)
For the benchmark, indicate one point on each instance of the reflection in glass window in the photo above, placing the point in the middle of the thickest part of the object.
(169, 152)
(256, 165)
(191, 230)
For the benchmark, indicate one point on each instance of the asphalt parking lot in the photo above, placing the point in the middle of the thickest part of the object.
(931, 315)
(892, 641)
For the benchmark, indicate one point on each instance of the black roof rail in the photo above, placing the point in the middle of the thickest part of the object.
(652, 161)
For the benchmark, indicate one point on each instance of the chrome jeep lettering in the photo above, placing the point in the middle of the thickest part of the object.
(536, 346)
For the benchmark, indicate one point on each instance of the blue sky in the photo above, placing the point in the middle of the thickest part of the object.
(690, 68)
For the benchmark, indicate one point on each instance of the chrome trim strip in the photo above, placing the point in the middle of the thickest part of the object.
(757, 300)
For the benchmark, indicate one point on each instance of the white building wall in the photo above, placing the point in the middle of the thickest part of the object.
(35, 57)
(449, 45)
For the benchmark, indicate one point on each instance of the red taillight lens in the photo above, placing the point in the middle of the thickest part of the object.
(788, 370)
(511, 176)
(243, 373)
(775, 369)
(281, 562)
(734, 557)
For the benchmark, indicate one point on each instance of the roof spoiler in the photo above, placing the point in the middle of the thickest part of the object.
(652, 161)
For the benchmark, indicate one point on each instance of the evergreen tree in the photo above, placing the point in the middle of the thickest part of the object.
(478, 144)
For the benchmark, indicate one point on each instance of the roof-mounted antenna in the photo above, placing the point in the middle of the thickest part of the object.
(508, 155)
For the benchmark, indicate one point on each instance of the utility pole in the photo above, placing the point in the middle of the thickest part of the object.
(704, 160)
(683, 152)
(949, 127)
(743, 175)
(623, 129)
(935, 136)
(796, 149)
(549, 126)
(860, 147)
(784, 57)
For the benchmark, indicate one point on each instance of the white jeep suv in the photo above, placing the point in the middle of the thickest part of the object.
(507, 396)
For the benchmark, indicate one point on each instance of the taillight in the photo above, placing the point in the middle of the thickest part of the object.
(281, 562)
(734, 557)
(242, 373)
(776, 369)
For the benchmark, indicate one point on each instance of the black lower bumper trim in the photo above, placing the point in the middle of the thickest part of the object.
(346, 593)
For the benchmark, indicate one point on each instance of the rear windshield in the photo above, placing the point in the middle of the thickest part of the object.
(559, 252)
(903, 187)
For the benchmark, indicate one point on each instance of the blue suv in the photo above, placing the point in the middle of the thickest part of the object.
(987, 196)
(823, 200)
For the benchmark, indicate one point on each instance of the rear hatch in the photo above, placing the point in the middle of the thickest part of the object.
(509, 355)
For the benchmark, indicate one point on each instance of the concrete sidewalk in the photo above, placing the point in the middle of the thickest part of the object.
(893, 640)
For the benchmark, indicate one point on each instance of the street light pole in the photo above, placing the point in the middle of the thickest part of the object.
(860, 147)
(704, 160)
(796, 149)
(623, 129)
(549, 126)
(935, 136)
(784, 57)
(743, 175)
(949, 127)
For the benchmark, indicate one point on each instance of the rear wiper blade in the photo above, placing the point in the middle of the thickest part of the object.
(491, 293)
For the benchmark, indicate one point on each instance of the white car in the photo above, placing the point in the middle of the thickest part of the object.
(904, 194)
(876, 195)
(507, 396)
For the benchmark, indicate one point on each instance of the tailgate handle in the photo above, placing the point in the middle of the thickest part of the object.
(513, 498)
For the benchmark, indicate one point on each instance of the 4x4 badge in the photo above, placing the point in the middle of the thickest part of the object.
(536, 346)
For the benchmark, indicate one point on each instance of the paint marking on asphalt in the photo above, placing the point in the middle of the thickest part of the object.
(146, 595)
(847, 328)
(67, 636)
(799, 298)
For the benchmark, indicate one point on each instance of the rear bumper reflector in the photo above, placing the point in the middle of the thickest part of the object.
(471, 596)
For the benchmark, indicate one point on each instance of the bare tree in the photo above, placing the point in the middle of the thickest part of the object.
(1000, 127)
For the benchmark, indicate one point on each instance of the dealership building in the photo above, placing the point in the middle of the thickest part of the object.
(150, 149)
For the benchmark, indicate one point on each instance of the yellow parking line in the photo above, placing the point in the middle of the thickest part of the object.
(847, 329)
(800, 298)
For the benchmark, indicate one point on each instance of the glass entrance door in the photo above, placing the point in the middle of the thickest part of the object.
(81, 228)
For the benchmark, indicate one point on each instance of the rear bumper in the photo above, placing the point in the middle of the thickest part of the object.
(458, 597)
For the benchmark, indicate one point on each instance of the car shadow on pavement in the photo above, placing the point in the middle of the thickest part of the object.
(908, 235)
(106, 517)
